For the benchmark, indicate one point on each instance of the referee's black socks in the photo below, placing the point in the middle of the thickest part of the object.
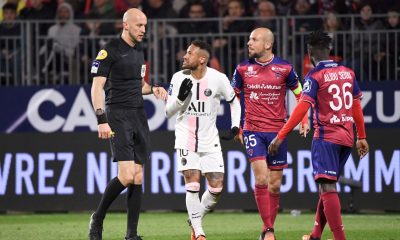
(133, 203)
(113, 189)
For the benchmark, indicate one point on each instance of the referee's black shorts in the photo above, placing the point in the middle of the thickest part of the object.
(132, 135)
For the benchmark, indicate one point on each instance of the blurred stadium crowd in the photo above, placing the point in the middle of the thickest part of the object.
(47, 42)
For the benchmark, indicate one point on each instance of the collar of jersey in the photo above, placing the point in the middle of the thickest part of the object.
(265, 63)
(198, 80)
(125, 44)
(324, 61)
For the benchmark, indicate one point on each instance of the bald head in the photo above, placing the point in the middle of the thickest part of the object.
(260, 44)
(133, 13)
(265, 34)
(134, 22)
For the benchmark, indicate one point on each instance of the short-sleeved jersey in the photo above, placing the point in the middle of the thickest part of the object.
(124, 68)
(264, 86)
(331, 89)
(195, 128)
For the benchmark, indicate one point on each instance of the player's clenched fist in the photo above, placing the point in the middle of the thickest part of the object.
(185, 88)
(230, 135)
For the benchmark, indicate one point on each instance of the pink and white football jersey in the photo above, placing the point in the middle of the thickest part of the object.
(195, 128)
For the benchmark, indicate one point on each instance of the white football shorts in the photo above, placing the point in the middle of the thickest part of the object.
(203, 161)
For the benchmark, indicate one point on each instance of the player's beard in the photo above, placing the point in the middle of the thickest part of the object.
(190, 67)
(254, 55)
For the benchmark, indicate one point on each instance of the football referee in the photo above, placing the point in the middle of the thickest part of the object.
(118, 70)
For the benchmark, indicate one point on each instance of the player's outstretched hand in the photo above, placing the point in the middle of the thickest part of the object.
(160, 93)
(274, 146)
(362, 147)
(230, 135)
(304, 129)
(185, 88)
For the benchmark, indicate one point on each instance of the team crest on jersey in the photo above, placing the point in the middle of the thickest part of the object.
(278, 71)
(307, 85)
(170, 89)
(207, 92)
(183, 161)
(277, 75)
(143, 71)
(102, 55)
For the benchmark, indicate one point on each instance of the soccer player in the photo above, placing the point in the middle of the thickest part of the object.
(264, 79)
(332, 91)
(194, 95)
(119, 69)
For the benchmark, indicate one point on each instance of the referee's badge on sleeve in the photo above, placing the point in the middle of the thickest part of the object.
(102, 55)
(95, 67)
(143, 71)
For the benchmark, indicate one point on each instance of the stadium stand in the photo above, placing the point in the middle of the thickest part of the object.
(363, 40)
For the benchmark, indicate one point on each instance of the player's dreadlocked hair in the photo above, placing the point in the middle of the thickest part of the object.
(319, 39)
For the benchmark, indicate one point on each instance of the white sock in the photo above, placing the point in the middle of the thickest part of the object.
(208, 202)
(194, 210)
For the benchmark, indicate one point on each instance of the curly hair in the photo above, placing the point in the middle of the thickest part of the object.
(319, 39)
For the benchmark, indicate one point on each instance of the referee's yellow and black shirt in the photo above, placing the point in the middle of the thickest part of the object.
(124, 68)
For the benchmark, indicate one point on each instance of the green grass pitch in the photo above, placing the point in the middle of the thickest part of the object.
(172, 226)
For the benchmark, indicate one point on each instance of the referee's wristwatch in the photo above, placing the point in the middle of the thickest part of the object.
(99, 112)
(101, 116)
